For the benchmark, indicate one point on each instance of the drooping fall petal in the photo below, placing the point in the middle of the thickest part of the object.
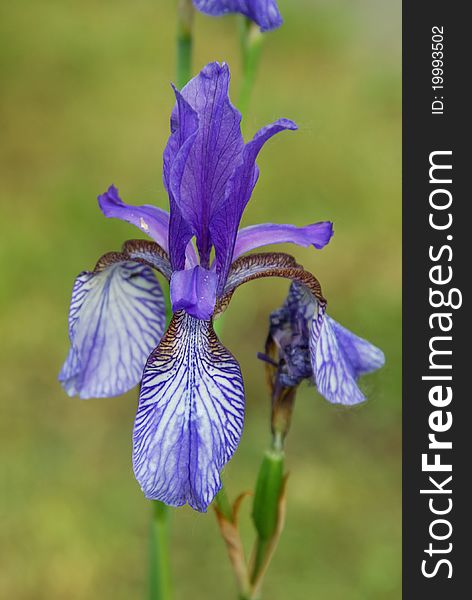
(117, 315)
(190, 415)
(338, 359)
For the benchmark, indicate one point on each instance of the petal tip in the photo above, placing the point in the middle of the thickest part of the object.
(325, 231)
(288, 124)
(108, 199)
(378, 358)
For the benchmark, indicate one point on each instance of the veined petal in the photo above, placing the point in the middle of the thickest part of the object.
(363, 357)
(190, 415)
(229, 210)
(117, 315)
(255, 236)
(152, 220)
(263, 12)
(338, 358)
(198, 179)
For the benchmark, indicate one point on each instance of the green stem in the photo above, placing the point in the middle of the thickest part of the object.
(160, 585)
(278, 443)
(185, 14)
(251, 45)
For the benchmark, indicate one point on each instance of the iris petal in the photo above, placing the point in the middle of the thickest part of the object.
(228, 212)
(263, 12)
(184, 127)
(194, 290)
(198, 179)
(190, 415)
(363, 356)
(209, 172)
(117, 315)
(338, 358)
(152, 220)
(255, 236)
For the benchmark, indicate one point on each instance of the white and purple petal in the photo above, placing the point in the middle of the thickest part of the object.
(190, 415)
(363, 356)
(263, 12)
(265, 234)
(117, 315)
(338, 359)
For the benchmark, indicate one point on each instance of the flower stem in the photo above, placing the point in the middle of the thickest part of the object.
(159, 584)
(251, 45)
(185, 14)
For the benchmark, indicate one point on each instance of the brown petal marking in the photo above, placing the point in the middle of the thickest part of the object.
(140, 251)
(270, 264)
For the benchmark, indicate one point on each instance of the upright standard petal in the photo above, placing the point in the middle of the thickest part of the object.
(190, 415)
(198, 179)
(338, 359)
(152, 220)
(263, 12)
(255, 236)
(229, 210)
(117, 315)
(184, 126)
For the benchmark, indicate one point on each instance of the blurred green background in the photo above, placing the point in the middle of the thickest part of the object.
(85, 101)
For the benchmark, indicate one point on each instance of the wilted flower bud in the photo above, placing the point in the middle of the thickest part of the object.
(328, 355)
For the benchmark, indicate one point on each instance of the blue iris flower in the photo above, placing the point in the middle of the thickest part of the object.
(191, 405)
(263, 12)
